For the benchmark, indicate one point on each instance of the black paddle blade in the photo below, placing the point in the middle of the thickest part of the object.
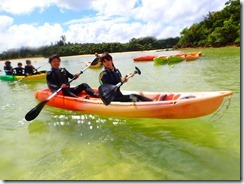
(33, 113)
(95, 61)
(107, 93)
(138, 70)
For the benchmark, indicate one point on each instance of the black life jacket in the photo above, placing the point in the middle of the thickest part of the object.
(29, 69)
(55, 78)
(110, 76)
(19, 71)
(8, 70)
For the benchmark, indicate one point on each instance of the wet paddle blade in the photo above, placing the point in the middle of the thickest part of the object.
(33, 113)
(107, 93)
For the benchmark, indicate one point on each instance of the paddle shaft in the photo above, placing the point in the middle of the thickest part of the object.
(41, 66)
(126, 78)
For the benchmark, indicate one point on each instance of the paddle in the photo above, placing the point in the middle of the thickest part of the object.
(33, 113)
(107, 92)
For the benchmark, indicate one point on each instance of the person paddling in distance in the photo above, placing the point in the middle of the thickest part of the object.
(19, 70)
(112, 75)
(96, 60)
(59, 77)
(29, 68)
(8, 68)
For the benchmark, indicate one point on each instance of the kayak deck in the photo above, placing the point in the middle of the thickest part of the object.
(174, 106)
(34, 77)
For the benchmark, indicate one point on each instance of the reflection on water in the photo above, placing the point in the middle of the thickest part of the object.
(84, 120)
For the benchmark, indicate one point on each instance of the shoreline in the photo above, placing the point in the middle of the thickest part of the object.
(85, 55)
(72, 56)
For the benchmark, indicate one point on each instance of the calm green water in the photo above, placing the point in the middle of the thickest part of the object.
(64, 145)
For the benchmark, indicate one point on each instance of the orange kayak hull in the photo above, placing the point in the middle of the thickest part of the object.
(175, 106)
(144, 58)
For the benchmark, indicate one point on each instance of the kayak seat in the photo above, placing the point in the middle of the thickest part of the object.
(162, 97)
(165, 97)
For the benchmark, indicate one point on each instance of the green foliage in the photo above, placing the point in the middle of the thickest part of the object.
(217, 29)
(67, 49)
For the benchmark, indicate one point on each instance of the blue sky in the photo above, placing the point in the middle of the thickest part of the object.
(36, 23)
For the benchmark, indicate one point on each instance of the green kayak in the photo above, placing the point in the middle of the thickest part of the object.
(160, 60)
(7, 78)
(175, 59)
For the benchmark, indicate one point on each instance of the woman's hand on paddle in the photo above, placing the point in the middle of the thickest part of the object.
(130, 74)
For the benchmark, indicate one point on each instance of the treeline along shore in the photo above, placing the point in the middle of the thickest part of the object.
(218, 29)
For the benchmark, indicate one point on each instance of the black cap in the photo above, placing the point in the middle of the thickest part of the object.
(53, 56)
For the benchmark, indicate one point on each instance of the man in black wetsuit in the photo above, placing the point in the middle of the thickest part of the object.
(19, 70)
(58, 78)
(112, 75)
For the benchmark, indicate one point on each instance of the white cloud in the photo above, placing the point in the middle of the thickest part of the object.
(17, 7)
(113, 21)
(20, 7)
(175, 12)
(16, 36)
(112, 8)
(77, 5)
(5, 21)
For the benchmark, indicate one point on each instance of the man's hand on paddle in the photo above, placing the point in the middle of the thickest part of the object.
(77, 75)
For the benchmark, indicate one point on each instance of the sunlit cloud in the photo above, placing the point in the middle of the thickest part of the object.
(109, 21)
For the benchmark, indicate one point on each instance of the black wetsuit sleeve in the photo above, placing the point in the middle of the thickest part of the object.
(69, 75)
(51, 83)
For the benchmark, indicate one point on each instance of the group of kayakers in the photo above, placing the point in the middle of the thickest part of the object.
(58, 78)
(29, 69)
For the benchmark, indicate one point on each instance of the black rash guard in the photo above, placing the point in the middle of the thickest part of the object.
(29, 69)
(55, 78)
(19, 71)
(8, 70)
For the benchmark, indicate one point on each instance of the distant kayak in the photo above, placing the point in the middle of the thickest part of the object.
(192, 57)
(175, 59)
(165, 105)
(42, 75)
(161, 60)
(144, 58)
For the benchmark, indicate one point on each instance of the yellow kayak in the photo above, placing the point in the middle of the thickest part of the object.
(40, 76)
(98, 65)
(165, 105)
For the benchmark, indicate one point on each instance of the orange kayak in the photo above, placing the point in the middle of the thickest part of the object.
(165, 105)
(191, 57)
(144, 58)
